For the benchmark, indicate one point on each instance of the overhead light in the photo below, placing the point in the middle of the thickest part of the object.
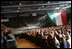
(48, 1)
(34, 14)
(20, 3)
(42, 6)
(17, 10)
(57, 8)
(69, 1)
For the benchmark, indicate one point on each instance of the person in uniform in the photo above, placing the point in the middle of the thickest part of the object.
(8, 38)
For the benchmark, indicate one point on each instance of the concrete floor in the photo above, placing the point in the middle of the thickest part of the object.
(23, 43)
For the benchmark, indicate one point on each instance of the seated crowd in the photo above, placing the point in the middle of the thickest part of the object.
(56, 37)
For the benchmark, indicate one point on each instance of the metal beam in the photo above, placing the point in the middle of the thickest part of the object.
(31, 11)
(21, 11)
(36, 5)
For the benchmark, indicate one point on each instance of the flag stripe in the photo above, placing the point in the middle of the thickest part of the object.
(64, 18)
(52, 17)
(58, 18)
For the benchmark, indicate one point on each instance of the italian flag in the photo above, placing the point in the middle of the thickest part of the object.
(58, 18)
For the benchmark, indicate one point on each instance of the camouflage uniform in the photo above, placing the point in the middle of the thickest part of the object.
(13, 41)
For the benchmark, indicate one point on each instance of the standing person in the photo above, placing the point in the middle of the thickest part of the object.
(3, 38)
(50, 40)
(68, 38)
(57, 36)
(63, 43)
(56, 43)
(8, 38)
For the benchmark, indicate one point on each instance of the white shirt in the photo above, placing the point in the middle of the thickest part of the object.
(69, 43)
(60, 35)
(42, 34)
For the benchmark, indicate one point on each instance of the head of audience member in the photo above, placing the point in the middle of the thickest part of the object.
(55, 33)
(51, 36)
(2, 27)
(63, 39)
(5, 29)
(68, 36)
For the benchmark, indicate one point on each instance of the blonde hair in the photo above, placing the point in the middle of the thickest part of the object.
(67, 36)
(63, 39)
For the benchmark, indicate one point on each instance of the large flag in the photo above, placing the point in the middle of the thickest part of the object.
(58, 18)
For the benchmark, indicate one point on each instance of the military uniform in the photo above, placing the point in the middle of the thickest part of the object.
(8, 41)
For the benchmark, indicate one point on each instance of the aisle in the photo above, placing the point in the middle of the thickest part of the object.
(23, 43)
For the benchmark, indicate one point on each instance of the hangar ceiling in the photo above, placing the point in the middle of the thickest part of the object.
(27, 8)
(27, 13)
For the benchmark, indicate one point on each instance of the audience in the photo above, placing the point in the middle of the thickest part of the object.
(56, 37)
